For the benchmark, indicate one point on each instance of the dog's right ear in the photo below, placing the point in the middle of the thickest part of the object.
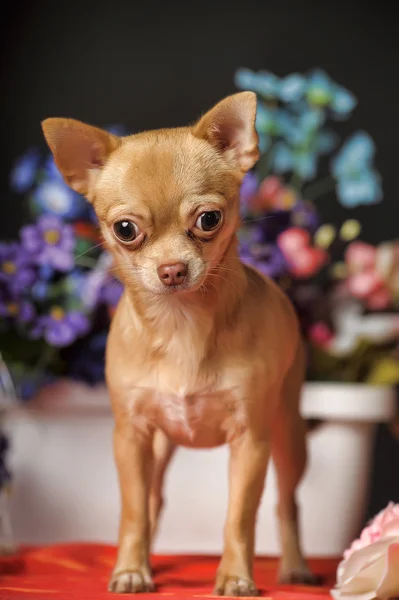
(230, 128)
(80, 151)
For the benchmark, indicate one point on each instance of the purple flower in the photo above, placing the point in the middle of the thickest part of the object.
(248, 190)
(24, 172)
(111, 292)
(271, 261)
(60, 328)
(304, 215)
(16, 274)
(21, 311)
(51, 242)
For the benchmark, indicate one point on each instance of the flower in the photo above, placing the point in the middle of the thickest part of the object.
(24, 172)
(358, 182)
(321, 91)
(271, 195)
(60, 328)
(287, 89)
(267, 126)
(16, 274)
(304, 215)
(248, 190)
(303, 142)
(304, 260)
(50, 241)
(111, 292)
(370, 567)
(54, 197)
(320, 334)
(21, 311)
(264, 83)
(364, 281)
(115, 129)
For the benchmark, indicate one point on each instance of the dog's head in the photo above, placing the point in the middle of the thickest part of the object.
(167, 200)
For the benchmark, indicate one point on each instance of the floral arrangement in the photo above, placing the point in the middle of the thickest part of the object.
(55, 301)
(370, 567)
(346, 291)
(57, 292)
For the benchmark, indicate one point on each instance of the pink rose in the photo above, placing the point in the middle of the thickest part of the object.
(370, 567)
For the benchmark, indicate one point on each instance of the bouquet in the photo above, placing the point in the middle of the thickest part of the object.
(58, 292)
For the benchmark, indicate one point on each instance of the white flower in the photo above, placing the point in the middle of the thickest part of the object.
(370, 568)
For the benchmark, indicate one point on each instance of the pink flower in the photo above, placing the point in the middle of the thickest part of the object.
(370, 567)
(360, 256)
(320, 334)
(273, 195)
(304, 260)
(364, 279)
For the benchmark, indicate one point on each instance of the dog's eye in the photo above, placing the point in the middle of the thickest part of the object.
(126, 231)
(209, 220)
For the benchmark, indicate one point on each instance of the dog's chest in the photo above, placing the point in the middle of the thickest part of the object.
(199, 420)
(203, 415)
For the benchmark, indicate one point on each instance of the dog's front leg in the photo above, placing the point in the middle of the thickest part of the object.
(133, 456)
(248, 464)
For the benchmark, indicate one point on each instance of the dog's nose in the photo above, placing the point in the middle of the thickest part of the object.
(173, 274)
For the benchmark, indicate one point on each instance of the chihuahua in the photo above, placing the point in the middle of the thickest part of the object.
(203, 350)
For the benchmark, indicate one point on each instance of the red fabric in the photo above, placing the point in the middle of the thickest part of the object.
(81, 571)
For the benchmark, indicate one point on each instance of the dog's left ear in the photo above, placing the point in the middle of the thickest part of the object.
(230, 128)
(80, 151)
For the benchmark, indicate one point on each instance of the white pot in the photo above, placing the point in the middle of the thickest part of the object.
(66, 488)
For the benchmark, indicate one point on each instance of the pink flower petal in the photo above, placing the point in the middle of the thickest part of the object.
(360, 256)
(269, 187)
(292, 240)
(364, 284)
(379, 300)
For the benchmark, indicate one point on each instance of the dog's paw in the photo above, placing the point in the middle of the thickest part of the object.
(131, 582)
(228, 585)
(301, 576)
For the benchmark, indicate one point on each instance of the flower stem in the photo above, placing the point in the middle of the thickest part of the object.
(319, 188)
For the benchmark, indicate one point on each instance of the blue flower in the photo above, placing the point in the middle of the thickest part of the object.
(264, 83)
(301, 162)
(24, 172)
(356, 154)
(116, 129)
(51, 170)
(300, 130)
(267, 125)
(270, 87)
(358, 180)
(292, 88)
(364, 189)
(321, 91)
(54, 197)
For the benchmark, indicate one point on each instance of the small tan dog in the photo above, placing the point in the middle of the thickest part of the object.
(203, 350)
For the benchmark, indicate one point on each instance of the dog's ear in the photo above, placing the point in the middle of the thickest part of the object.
(80, 151)
(230, 128)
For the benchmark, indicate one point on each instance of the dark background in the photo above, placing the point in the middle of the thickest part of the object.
(149, 65)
